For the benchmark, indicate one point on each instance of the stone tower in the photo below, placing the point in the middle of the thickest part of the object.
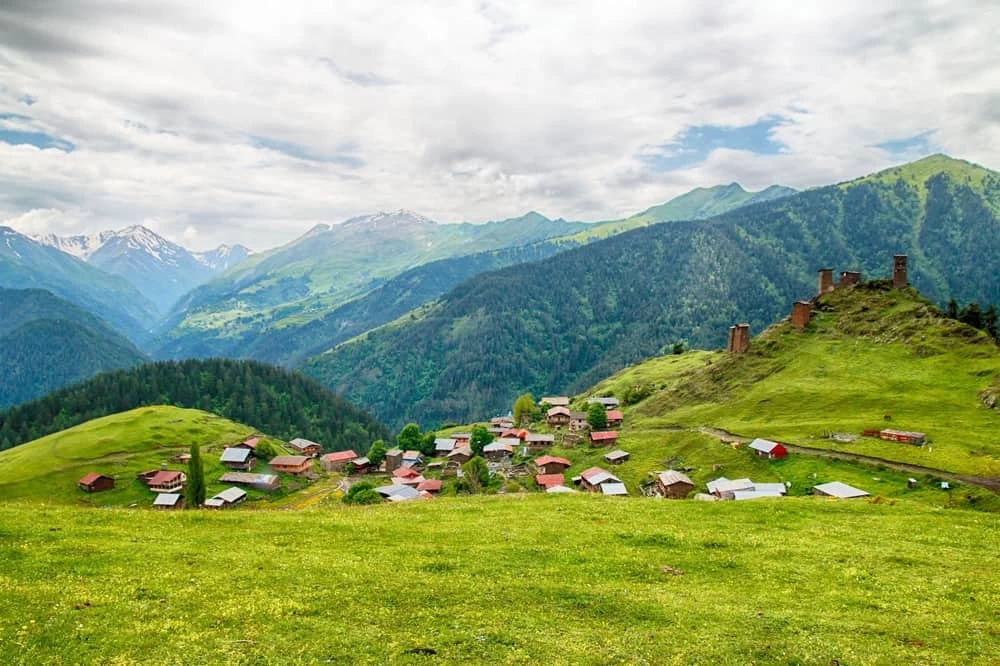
(801, 310)
(739, 339)
(899, 271)
(825, 281)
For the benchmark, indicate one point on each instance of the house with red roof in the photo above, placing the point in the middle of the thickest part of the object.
(336, 461)
(593, 478)
(614, 417)
(604, 438)
(95, 483)
(551, 465)
(432, 486)
(546, 481)
(167, 481)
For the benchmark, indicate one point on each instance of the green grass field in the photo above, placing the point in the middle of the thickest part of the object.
(120, 446)
(516, 579)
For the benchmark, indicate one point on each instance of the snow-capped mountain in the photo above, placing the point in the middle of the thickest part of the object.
(161, 270)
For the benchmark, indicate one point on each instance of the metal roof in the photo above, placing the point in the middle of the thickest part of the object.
(398, 491)
(763, 445)
(337, 456)
(841, 490)
(602, 477)
(613, 401)
(499, 446)
(444, 444)
(614, 489)
(754, 494)
(616, 454)
(541, 438)
(770, 488)
(547, 460)
(736, 484)
(302, 444)
(214, 502)
(235, 455)
(603, 435)
(671, 476)
(713, 485)
(559, 489)
(231, 495)
(167, 499)
(246, 477)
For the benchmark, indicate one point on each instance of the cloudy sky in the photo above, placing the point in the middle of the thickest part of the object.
(250, 122)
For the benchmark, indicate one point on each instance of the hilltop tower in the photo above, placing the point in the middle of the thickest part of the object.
(739, 339)
(801, 311)
(825, 281)
(899, 271)
(848, 278)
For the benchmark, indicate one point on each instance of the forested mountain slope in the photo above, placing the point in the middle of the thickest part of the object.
(563, 323)
(281, 403)
(47, 343)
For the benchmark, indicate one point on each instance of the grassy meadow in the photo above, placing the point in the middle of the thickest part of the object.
(120, 446)
(517, 579)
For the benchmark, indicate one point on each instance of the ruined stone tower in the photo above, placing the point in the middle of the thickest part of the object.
(899, 271)
(739, 339)
(825, 281)
(801, 310)
(848, 278)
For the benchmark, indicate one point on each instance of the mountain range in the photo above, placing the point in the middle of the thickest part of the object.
(161, 270)
(564, 322)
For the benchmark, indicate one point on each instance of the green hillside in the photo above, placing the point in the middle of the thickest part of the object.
(119, 446)
(698, 204)
(566, 322)
(273, 400)
(532, 579)
(868, 352)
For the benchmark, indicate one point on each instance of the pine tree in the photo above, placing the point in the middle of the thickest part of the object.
(194, 493)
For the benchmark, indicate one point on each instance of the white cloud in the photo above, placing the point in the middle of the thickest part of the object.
(462, 110)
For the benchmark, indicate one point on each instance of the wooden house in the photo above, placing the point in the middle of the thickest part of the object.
(546, 481)
(462, 438)
(536, 441)
(616, 457)
(305, 448)
(413, 459)
(551, 465)
(266, 482)
(609, 402)
(238, 459)
(557, 417)
(297, 465)
(361, 465)
(673, 484)
(498, 451)
(95, 483)
(248, 443)
(443, 446)
(604, 438)
(614, 418)
(337, 460)
(167, 481)
(460, 455)
(169, 501)
(768, 449)
(554, 401)
(432, 486)
(405, 473)
(577, 421)
(393, 459)
(592, 479)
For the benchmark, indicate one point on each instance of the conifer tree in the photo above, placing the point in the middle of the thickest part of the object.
(194, 493)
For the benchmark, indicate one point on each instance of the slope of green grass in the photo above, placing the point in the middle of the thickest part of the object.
(532, 579)
(867, 353)
(119, 446)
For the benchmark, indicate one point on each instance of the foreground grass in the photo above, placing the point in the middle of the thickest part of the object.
(524, 579)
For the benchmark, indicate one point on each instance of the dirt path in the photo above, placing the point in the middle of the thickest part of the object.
(983, 482)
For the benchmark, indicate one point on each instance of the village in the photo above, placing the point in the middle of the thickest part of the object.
(522, 454)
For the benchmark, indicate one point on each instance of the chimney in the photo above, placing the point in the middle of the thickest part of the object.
(849, 278)
(731, 343)
(899, 271)
(801, 310)
(825, 280)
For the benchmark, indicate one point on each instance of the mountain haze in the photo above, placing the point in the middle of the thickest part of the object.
(563, 323)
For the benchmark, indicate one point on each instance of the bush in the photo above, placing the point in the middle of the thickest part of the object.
(362, 493)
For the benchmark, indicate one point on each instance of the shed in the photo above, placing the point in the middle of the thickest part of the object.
(337, 460)
(614, 418)
(361, 465)
(95, 483)
(614, 488)
(616, 457)
(413, 459)
(305, 447)
(249, 443)
(593, 478)
(228, 497)
(838, 490)
(904, 436)
(604, 438)
(548, 480)
(673, 484)
(238, 458)
(393, 459)
(609, 402)
(767, 449)
(444, 445)
(430, 486)
(266, 482)
(169, 501)
(722, 485)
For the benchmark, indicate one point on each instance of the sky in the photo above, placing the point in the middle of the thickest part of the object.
(250, 122)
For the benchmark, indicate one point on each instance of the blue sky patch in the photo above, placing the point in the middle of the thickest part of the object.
(917, 144)
(37, 139)
(693, 145)
(300, 152)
